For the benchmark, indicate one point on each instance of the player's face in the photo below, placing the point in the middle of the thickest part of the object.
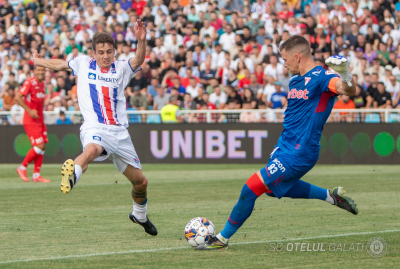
(104, 55)
(39, 72)
(291, 62)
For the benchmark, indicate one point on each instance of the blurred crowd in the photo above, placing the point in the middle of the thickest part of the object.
(205, 54)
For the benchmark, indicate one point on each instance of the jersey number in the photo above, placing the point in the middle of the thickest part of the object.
(272, 168)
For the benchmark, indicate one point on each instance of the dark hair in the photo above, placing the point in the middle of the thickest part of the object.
(102, 38)
(296, 43)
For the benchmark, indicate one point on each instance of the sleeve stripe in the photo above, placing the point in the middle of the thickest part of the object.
(73, 73)
(134, 71)
(130, 65)
(332, 85)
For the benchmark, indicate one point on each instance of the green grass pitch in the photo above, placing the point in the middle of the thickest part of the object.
(40, 227)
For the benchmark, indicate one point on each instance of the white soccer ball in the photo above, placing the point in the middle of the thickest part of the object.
(198, 231)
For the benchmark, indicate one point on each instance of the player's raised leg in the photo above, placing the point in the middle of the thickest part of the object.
(253, 189)
(139, 196)
(71, 171)
(337, 196)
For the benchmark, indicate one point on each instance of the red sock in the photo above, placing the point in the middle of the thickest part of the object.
(30, 156)
(38, 163)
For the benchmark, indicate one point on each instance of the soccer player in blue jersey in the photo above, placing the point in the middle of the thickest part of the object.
(310, 101)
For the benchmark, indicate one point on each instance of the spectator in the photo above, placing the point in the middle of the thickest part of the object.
(218, 98)
(170, 113)
(361, 98)
(138, 100)
(382, 99)
(139, 81)
(393, 85)
(193, 87)
(161, 99)
(63, 120)
(274, 69)
(233, 98)
(247, 116)
(344, 102)
(278, 98)
(8, 98)
(16, 119)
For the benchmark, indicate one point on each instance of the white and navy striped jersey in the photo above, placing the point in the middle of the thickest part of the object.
(101, 92)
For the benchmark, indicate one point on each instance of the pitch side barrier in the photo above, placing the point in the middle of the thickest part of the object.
(248, 143)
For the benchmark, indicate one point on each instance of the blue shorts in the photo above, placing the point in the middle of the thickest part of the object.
(282, 172)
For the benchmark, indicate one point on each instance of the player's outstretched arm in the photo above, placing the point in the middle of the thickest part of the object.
(54, 64)
(346, 84)
(140, 33)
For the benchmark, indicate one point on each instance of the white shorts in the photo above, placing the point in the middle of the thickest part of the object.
(116, 142)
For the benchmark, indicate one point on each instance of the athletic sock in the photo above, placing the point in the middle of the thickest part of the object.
(78, 172)
(30, 156)
(139, 211)
(222, 239)
(305, 190)
(38, 161)
(253, 188)
(329, 198)
(35, 175)
(22, 167)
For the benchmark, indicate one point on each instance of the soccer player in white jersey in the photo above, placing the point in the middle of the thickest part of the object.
(101, 84)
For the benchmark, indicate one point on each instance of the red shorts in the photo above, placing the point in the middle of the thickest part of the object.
(37, 134)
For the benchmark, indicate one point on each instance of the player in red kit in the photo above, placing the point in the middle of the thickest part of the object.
(31, 97)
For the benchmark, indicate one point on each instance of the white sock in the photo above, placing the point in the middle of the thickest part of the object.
(139, 211)
(222, 239)
(78, 172)
(22, 167)
(35, 175)
(329, 198)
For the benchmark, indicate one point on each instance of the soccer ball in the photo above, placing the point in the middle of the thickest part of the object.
(198, 231)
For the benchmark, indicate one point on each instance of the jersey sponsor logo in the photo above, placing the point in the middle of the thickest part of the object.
(275, 166)
(137, 160)
(316, 73)
(92, 76)
(329, 72)
(98, 138)
(301, 94)
(108, 79)
(40, 95)
(307, 79)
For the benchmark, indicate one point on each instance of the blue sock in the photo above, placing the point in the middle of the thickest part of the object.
(240, 212)
(305, 190)
(317, 193)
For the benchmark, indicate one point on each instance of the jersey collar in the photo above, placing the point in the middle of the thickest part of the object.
(93, 65)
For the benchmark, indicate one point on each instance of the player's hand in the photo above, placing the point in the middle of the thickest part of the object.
(33, 114)
(140, 30)
(35, 56)
(338, 63)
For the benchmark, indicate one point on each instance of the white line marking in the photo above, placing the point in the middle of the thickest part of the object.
(176, 248)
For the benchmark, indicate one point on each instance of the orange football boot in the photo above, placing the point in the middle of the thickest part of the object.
(41, 179)
(22, 174)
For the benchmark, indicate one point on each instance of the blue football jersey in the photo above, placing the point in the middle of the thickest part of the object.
(310, 101)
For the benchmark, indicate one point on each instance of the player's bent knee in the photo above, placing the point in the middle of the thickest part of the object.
(91, 152)
(256, 184)
(139, 183)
